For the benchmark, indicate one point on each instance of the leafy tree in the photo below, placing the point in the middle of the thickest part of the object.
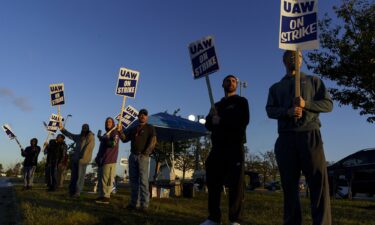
(204, 150)
(347, 55)
(270, 158)
(1, 168)
(185, 157)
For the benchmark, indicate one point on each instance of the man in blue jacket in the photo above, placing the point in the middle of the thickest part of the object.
(299, 146)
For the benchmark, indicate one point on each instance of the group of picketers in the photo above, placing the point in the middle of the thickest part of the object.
(143, 140)
(298, 148)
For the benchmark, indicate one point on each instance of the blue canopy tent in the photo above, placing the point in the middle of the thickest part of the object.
(174, 128)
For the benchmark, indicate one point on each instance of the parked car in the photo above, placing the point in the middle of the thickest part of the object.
(273, 186)
(355, 172)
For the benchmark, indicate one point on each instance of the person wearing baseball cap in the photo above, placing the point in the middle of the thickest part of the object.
(143, 140)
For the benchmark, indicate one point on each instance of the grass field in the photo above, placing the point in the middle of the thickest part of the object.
(39, 207)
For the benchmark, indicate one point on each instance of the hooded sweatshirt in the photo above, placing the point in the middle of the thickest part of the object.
(280, 99)
(84, 146)
(108, 149)
(234, 117)
(31, 154)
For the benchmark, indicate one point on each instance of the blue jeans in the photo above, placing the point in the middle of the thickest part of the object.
(138, 176)
(28, 175)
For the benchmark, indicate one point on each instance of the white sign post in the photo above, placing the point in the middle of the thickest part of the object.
(129, 115)
(57, 95)
(126, 85)
(298, 30)
(204, 61)
(10, 134)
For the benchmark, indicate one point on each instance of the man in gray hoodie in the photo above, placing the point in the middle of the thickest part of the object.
(299, 146)
(81, 157)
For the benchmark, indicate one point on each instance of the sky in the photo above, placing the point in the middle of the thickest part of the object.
(84, 43)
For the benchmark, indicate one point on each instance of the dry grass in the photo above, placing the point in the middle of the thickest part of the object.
(39, 207)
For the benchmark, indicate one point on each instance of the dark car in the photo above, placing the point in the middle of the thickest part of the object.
(355, 173)
(273, 186)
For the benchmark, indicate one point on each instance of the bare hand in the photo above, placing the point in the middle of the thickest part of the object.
(299, 102)
(61, 127)
(215, 120)
(213, 111)
(295, 112)
(119, 127)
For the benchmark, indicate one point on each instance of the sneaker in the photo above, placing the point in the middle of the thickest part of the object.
(209, 222)
(234, 223)
(103, 200)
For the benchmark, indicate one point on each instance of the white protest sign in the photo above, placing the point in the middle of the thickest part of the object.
(129, 115)
(53, 126)
(56, 118)
(298, 25)
(57, 94)
(124, 162)
(8, 131)
(127, 82)
(203, 57)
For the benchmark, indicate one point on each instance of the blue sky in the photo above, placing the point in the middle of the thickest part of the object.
(84, 43)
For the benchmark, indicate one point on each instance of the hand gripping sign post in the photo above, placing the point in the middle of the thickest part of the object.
(298, 30)
(204, 61)
(10, 134)
(57, 96)
(126, 86)
(129, 115)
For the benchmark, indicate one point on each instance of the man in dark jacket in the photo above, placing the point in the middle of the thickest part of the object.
(81, 157)
(143, 140)
(299, 146)
(227, 121)
(55, 153)
(31, 154)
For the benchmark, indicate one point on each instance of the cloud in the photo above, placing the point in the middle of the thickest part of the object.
(6, 92)
(20, 102)
(23, 104)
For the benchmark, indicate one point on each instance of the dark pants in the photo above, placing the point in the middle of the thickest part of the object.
(225, 166)
(303, 151)
(73, 178)
(51, 174)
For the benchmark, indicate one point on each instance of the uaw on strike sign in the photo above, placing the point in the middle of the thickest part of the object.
(54, 123)
(203, 57)
(128, 116)
(57, 94)
(298, 24)
(127, 82)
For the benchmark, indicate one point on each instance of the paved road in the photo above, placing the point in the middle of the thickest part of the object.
(7, 203)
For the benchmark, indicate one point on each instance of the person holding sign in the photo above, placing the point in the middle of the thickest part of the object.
(56, 150)
(143, 140)
(82, 154)
(299, 146)
(31, 154)
(227, 121)
(106, 160)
